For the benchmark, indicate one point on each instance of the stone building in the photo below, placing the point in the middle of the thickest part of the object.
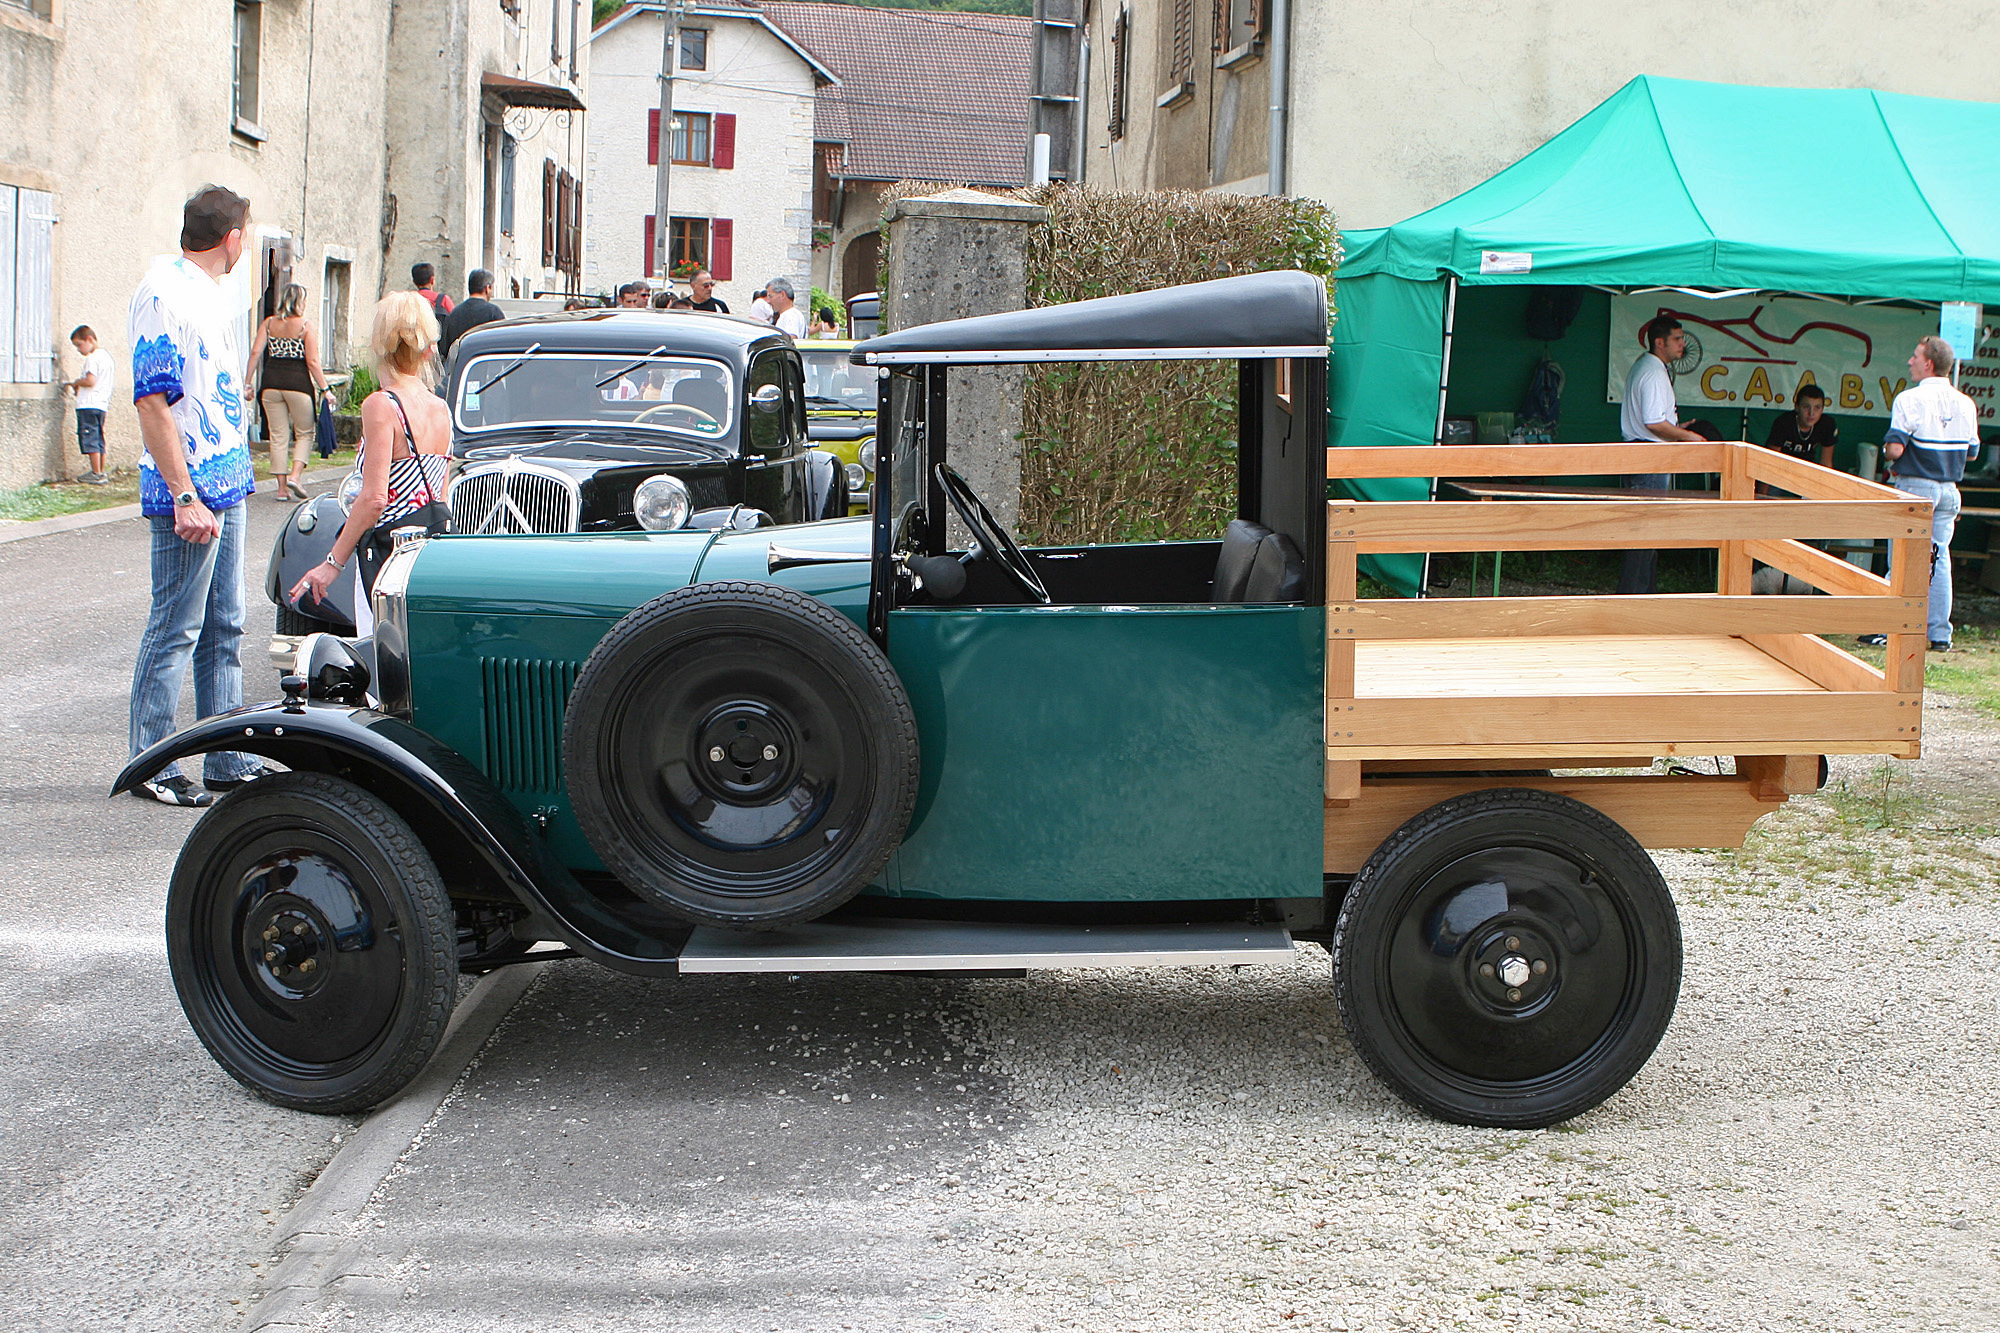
(739, 150)
(364, 134)
(1393, 108)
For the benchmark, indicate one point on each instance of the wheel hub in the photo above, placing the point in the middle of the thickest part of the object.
(745, 751)
(289, 945)
(1514, 968)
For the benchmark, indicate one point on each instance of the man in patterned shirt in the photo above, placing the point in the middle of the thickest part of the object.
(195, 473)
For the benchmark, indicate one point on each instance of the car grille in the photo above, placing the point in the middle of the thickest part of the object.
(512, 496)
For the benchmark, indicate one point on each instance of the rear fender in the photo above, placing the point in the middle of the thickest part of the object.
(483, 845)
(303, 540)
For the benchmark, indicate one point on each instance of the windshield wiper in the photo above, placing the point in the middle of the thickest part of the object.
(512, 366)
(621, 374)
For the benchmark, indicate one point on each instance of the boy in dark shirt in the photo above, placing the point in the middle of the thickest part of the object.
(1807, 432)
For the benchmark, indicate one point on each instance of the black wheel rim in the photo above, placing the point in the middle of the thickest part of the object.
(736, 764)
(297, 951)
(1512, 967)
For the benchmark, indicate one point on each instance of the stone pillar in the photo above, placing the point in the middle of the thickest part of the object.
(951, 256)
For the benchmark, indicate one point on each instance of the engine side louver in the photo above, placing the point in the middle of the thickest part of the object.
(524, 704)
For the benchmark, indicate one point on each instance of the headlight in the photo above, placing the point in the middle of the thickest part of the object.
(661, 504)
(857, 477)
(868, 454)
(350, 490)
(392, 629)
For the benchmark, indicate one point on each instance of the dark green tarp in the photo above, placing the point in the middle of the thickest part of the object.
(1671, 182)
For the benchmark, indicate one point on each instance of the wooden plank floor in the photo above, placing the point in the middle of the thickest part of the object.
(1588, 665)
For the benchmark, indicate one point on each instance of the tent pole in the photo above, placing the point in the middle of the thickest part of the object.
(1444, 384)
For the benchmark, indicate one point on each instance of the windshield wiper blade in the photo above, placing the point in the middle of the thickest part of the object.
(513, 365)
(620, 374)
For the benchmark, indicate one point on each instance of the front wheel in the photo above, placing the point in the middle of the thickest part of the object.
(312, 943)
(1509, 958)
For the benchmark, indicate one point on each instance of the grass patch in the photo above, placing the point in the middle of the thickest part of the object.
(54, 499)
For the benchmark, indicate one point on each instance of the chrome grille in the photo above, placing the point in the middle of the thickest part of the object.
(512, 496)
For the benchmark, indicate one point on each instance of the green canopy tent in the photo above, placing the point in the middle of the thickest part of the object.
(1671, 182)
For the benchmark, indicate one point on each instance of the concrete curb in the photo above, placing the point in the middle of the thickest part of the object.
(317, 1236)
(46, 527)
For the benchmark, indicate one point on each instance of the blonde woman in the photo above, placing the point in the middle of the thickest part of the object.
(404, 455)
(289, 384)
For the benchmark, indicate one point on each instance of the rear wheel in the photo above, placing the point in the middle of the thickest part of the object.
(291, 620)
(1508, 958)
(741, 754)
(312, 943)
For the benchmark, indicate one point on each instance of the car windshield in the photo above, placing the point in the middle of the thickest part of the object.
(675, 394)
(831, 378)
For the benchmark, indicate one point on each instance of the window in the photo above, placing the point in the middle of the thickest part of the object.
(249, 42)
(27, 286)
(1180, 55)
(691, 139)
(707, 242)
(694, 48)
(511, 8)
(1239, 30)
(569, 226)
(555, 33)
(1121, 37)
(333, 315)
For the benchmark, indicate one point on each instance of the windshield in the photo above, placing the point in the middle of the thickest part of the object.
(905, 460)
(831, 378)
(675, 394)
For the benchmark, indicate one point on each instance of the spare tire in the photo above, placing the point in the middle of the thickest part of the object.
(741, 754)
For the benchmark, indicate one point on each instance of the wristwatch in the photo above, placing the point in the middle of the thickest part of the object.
(184, 499)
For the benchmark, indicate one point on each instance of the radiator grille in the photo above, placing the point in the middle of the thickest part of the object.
(513, 497)
(524, 703)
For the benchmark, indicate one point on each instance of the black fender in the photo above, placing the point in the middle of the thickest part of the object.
(826, 486)
(483, 845)
(303, 540)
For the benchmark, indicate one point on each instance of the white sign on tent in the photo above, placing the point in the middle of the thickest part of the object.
(1755, 351)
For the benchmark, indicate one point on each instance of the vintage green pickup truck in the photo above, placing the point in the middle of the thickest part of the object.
(853, 745)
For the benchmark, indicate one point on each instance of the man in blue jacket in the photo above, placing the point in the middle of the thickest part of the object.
(1933, 431)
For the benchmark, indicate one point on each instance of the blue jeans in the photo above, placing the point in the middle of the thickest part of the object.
(1943, 496)
(1639, 570)
(197, 613)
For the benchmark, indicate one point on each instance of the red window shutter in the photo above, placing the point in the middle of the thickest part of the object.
(724, 147)
(649, 245)
(653, 137)
(721, 245)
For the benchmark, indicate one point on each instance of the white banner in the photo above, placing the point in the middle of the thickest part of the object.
(1755, 351)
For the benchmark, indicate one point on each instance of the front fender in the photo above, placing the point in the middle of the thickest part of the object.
(478, 838)
(826, 486)
(303, 541)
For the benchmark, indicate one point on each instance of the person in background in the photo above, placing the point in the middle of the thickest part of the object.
(634, 296)
(1933, 432)
(1648, 416)
(681, 303)
(195, 473)
(285, 356)
(823, 323)
(92, 388)
(477, 308)
(664, 299)
(424, 278)
(405, 450)
(785, 312)
(1806, 431)
(576, 303)
(702, 294)
(760, 308)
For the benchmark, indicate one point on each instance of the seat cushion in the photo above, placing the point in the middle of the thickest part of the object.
(1279, 572)
(1239, 553)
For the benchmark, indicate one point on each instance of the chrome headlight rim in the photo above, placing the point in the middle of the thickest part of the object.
(349, 491)
(661, 503)
(867, 455)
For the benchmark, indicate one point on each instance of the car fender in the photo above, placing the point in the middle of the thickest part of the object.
(303, 540)
(479, 839)
(826, 486)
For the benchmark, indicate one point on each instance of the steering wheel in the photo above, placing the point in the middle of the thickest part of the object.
(700, 417)
(989, 538)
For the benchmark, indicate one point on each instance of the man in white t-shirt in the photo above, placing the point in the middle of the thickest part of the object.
(1648, 416)
(785, 312)
(93, 394)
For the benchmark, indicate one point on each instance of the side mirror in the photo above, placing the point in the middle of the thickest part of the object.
(767, 399)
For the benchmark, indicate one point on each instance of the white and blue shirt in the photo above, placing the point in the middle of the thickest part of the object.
(1938, 428)
(185, 345)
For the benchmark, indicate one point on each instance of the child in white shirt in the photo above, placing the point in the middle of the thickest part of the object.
(93, 395)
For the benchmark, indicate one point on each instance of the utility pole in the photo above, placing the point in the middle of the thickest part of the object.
(663, 222)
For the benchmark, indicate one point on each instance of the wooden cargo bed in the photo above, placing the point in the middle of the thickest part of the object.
(1533, 683)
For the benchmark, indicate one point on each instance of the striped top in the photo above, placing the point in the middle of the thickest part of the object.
(1938, 428)
(414, 481)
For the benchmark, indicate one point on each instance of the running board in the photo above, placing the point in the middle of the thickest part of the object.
(901, 945)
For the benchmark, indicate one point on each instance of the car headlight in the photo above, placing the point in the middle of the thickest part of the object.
(661, 504)
(857, 477)
(350, 490)
(392, 628)
(868, 455)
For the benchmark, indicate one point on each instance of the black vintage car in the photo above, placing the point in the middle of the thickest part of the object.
(603, 421)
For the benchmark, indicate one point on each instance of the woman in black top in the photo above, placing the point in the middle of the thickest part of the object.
(285, 359)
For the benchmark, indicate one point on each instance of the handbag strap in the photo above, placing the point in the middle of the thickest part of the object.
(415, 455)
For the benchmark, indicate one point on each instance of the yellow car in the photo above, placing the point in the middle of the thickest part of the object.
(840, 413)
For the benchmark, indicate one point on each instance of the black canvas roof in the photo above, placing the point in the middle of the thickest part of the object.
(1258, 314)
